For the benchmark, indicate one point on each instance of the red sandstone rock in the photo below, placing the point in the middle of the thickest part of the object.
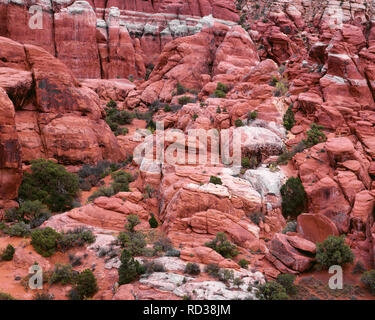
(315, 227)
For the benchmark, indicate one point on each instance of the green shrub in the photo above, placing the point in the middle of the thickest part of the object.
(314, 135)
(62, 274)
(19, 229)
(7, 254)
(226, 275)
(45, 241)
(180, 89)
(111, 104)
(153, 222)
(215, 180)
(173, 253)
(333, 251)
(219, 94)
(121, 180)
(129, 268)
(51, 184)
(294, 197)
(245, 162)
(238, 123)
(243, 263)
(252, 115)
(167, 108)
(222, 87)
(287, 281)
(272, 291)
(237, 282)
(43, 296)
(133, 241)
(223, 246)
(86, 285)
(32, 212)
(184, 100)
(218, 110)
(368, 279)
(6, 296)
(192, 268)
(75, 238)
(212, 269)
(288, 119)
(102, 192)
(115, 117)
(291, 226)
(257, 217)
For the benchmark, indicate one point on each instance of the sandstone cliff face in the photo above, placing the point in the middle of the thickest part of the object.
(108, 39)
(50, 114)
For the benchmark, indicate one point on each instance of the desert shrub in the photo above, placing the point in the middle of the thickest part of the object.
(86, 285)
(150, 267)
(293, 197)
(368, 279)
(215, 180)
(314, 135)
(237, 282)
(180, 89)
(245, 162)
(184, 100)
(153, 222)
(51, 184)
(192, 268)
(102, 192)
(32, 212)
(212, 269)
(252, 115)
(281, 86)
(226, 275)
(163, 244)
(291, 226)
(243, 263)
(359, 267)
(129, 268)
(121, 180)
(7, 254)
(223, 246)
(75, 238)
(75, 260)
(19, 229)
(218, 110)
(111, 104)
(149, 68)
(63, 274)
(238, 123)
(6, 296)
(333, 251)
(257, 217)
(133, 241)
(43, 296)
(288, 119)
(222, 87)
(219, 94)
(173, 253)
(249, 163)
(45, 241)
(272, 290)
(287, 281)
(167, 108)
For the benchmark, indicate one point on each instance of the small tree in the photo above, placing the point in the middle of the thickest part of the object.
(243, 263)
(133, 221)
(223, 246)
(272, 291)
(153, 222)
(368, 278)
(45, 241)
(287, 281)
(294, 197)
(7, 254)
(129, 268)
(215, 180)
(314, 135)
(192, 268)
(288, 119)
(333, 251)
(86, 285)
(51, 184)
